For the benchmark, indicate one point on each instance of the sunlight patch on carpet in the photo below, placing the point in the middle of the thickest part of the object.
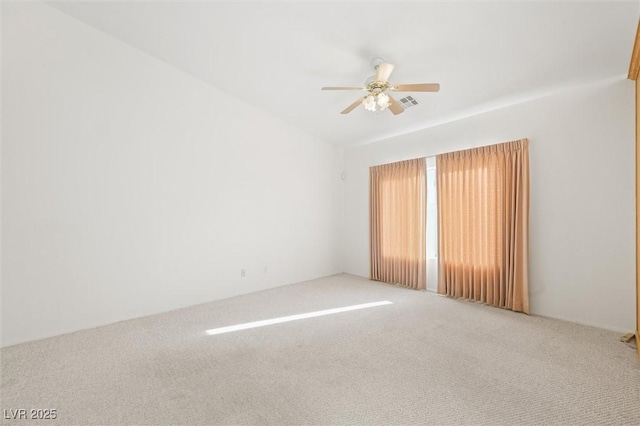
(279, 320)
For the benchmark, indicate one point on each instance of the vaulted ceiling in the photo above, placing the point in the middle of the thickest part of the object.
(277, 56)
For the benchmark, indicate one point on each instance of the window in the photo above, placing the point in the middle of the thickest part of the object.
(432, 225)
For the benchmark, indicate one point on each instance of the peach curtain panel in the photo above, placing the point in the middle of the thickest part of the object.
(398, 223)
(483, 220)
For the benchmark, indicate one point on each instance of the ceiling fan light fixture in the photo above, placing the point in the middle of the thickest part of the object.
(383, 101)
(376, 102)
(369, 103)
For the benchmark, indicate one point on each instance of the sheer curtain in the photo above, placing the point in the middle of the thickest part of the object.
(398, 223)
(483, 210)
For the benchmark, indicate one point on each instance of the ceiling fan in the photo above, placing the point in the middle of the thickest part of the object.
(377, 98)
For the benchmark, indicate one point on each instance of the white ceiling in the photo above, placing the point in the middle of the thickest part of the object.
(276, 56)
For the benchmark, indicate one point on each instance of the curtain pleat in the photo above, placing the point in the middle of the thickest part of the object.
(483, 224)
(398, 197)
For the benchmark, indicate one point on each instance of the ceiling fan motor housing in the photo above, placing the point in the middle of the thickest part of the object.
(376, 87)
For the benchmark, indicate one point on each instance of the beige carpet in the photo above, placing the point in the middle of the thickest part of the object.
(425, 359)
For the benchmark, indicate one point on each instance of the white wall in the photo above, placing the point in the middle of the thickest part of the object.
(582, 253)
(131, 188)
(1, 161)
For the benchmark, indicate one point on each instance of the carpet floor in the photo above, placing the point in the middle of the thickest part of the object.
(425, 359)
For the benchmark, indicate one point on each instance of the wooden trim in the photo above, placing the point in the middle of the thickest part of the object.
(634, 67)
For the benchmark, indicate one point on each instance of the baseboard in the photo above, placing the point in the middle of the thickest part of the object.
(587, 323)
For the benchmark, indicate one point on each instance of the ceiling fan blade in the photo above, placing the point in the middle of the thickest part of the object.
(394, 106)
(424, 87)
(384, 71)
(353, 106)
(343, 88)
